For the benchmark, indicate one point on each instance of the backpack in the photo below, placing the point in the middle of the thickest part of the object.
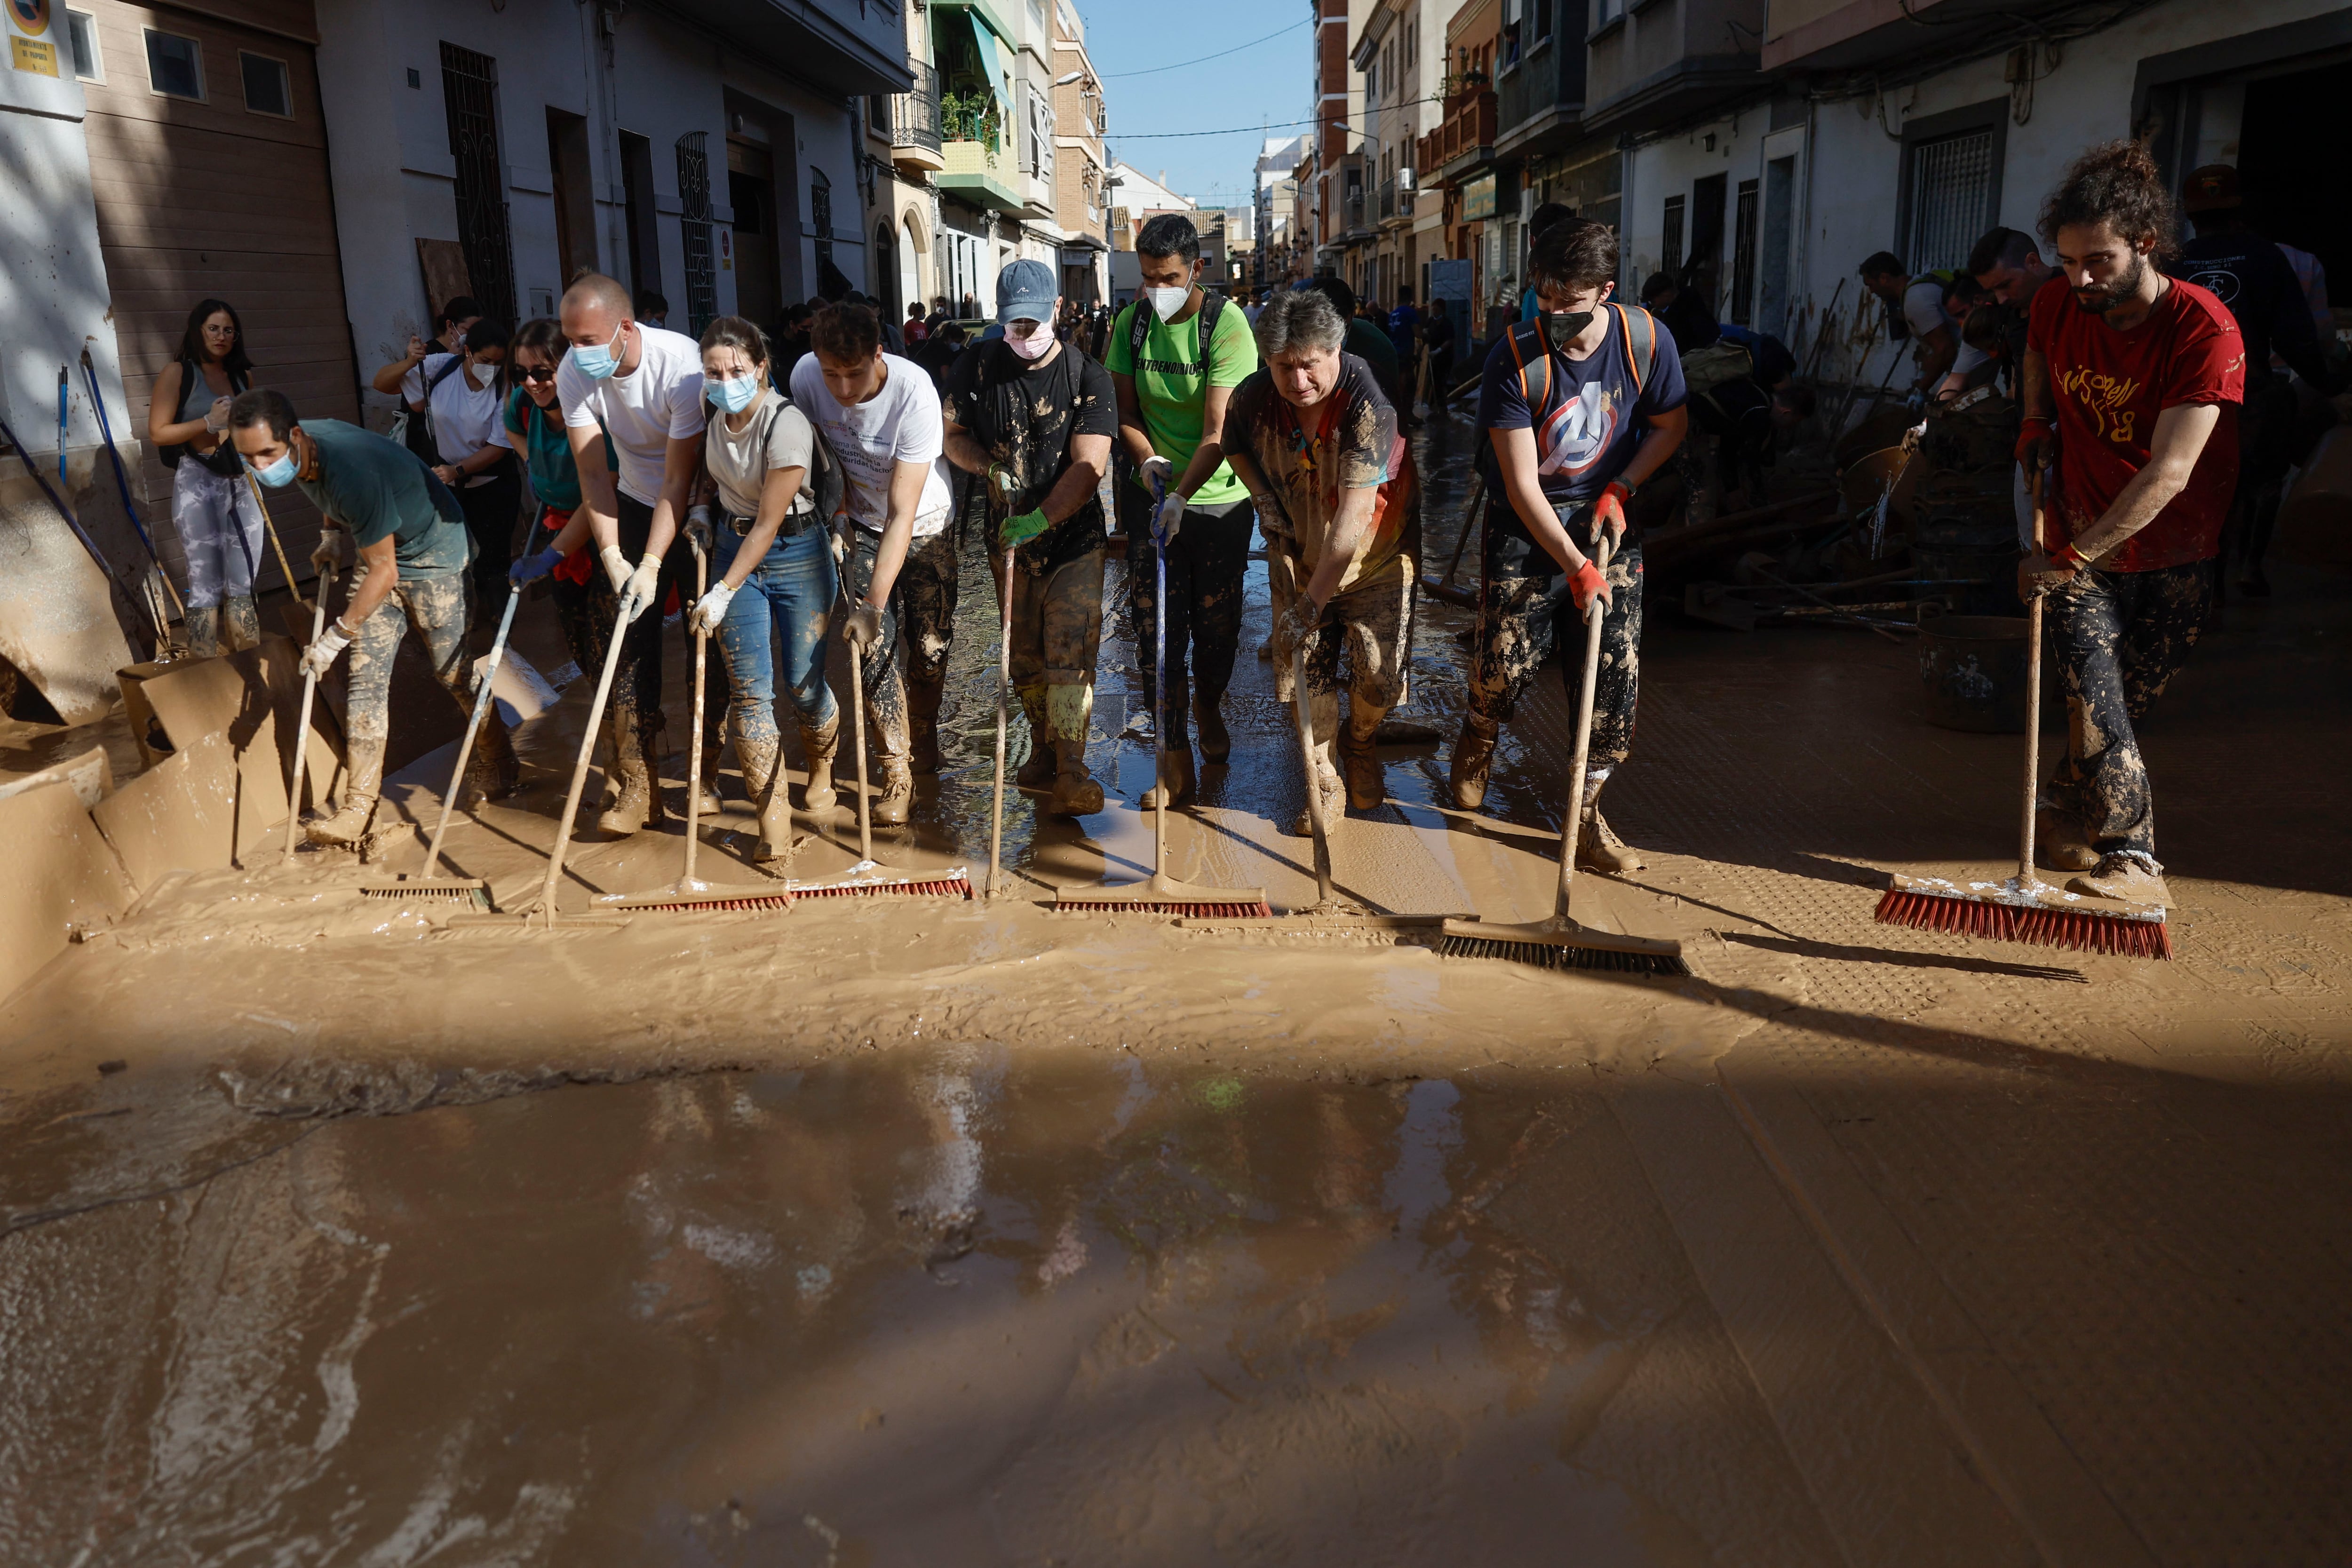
(1705, 369)
(1140, 322)
(1531, 355)
(413, 428)
(825, 486)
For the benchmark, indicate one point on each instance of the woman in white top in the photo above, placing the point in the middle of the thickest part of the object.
(777, 580)
(466, 395)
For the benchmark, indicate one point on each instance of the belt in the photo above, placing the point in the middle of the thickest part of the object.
(795, 523)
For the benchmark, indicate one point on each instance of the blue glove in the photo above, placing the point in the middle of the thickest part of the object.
(531, 568)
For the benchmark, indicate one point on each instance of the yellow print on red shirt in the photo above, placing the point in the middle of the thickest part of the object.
(2104, 396)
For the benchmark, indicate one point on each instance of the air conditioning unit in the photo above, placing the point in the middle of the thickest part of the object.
(1404, 178)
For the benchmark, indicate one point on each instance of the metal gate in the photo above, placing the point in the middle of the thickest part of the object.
(469, 92)
(1952, 200)
(694, 198)
(1743, 257)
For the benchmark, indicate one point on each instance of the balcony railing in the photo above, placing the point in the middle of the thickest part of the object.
(914, 115)
(1469, 130)
(1388, 197)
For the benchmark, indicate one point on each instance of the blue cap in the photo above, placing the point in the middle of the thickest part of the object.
(1025, 292)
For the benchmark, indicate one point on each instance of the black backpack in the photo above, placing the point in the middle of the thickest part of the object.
(1637, 339)
(1139, 326)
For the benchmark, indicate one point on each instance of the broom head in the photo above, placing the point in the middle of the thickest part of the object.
(471, 891)
(1163, 895)
(2036, 913)
(704, 897)
(871, 879)
(1562, 944)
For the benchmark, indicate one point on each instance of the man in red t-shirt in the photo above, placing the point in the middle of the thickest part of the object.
(2132, 385)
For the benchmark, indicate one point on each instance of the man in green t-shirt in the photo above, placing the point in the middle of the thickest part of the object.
(403, 538)
(1173, 390)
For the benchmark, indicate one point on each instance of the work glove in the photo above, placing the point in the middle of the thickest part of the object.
(1000, 485)
(643, 582)
(616, 566)
(1609, 509)
(1298, 624)
(710, 610)
(698, 528)
(531, 568)
(320, 655)
(1019, 531)
(2039, 573)
(863, 629)
(1158, 474)
(2036, 444)
(334, 551)
(1167, 520)
(1585, 585)
(217, 416)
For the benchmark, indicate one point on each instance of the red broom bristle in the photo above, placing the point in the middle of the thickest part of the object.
(946, 886)
(755, 901)
(1260, 911)
(2080, 930)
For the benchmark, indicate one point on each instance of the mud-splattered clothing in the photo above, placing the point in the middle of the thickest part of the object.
(885, 687)
(587, 608)
(1371, 623)
(1205, 564)
(380, 489)
(437, 607)
(1172, 376)
(2119, 637)
(1524, 608)
(220, 531)
(1591, 416)
(1351, 443)
(924, 602)
(1024, 416)
(2108, 388)
(781, 616)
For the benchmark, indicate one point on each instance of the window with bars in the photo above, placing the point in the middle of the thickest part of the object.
(694, 225)
(1743, 257)
(1669, 245)
(469, 96)
(1951, 199)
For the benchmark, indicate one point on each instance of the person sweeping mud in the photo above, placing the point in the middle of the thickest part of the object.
(213, 507)
(1034, 417)
(1317, 442)
(641, 386)
(1176, 354)
(1582, 405)
(409, 551)
(881, 415)
(2132, 381)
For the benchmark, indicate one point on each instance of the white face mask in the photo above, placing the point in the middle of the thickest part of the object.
(1034, 346)
(1166, 302)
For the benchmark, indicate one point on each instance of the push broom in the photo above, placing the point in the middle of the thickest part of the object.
(1560, 942)
(2025, 908)
(687, 896)
(1162, 894)
(869, 879)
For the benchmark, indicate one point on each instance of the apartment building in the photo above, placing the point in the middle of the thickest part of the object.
(1082, 164)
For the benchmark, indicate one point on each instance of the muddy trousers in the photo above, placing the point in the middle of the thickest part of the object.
(781, 616)
(438, 609)
(1524, 608)
(2118, 636)
(220, 531)
(1371, 623)
(1056, 638)
(490, 509)
(886, 687)
(1206, 562)
(587, 610)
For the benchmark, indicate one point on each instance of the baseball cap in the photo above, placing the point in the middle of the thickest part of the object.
(1025, 292)
(2213, 188)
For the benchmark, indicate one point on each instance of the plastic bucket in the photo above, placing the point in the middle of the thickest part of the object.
(1972, 672)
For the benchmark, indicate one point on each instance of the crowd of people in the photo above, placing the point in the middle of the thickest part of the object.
(820, 468)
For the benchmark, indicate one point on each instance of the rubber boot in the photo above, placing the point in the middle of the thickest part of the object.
(923, 724)
(240, 623)
(2060, 844)
(761, 776)
(1177, 768)
(1367, 783)
(711, 806)
(363, 781)
(1216, 744)
(818, 744)
(1068, 713)
(1037, 773)
(636, 803)
(897, 781)
(2126, 877)
(1474, 755)
(1598, 848)
(204, 630)
(492, 770)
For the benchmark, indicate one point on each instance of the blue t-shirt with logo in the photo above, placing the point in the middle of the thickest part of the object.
(1593, 416)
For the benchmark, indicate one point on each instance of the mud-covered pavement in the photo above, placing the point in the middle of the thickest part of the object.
(892, 1232)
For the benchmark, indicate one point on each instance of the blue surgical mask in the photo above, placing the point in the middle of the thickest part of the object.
(279, 474)
(732, 395)
(596, 364)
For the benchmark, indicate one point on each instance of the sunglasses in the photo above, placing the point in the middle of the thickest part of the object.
(539, 373)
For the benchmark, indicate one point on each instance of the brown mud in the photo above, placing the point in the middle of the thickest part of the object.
(895, 1230)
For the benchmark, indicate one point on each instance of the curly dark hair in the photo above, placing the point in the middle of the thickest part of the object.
(2117, 184)
(845, 333)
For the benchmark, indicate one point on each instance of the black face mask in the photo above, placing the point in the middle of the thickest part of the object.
(1561, 327)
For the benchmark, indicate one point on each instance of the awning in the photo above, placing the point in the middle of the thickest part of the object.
(995, 56)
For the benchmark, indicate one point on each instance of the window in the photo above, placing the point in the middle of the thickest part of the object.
(821, 212)
(176, 66)
(470, 85)
(1670, 246)
(1743, 257)
(81, 37)
(266, 90)
(1604, 11)
(1541, 12)
(1951, 199)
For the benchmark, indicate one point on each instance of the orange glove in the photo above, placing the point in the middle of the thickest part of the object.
(1587, 584)
(1609, 509)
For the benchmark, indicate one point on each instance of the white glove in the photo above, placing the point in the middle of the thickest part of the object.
(1000, 486)
(864, 627)
(643, 582)
(333, 551)
(711, 609)
(616, 566)
(217, 416)
(698, 528)
(320, 655)
(1156, 469)
(1167, 519)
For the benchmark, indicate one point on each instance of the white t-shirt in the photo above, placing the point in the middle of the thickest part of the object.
(899, 423)
(740, 469)
(1923, 308)
(465, 420)
(642, 411)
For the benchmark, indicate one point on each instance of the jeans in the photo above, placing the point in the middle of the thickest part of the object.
(782, 611)
(1524, 608)
(1205, 565)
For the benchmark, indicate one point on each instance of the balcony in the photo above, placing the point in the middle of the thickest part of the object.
(1540, 104)
(980, 173)
(1704, 69)
(1396, 200)
(915, 140)
(1464, 140)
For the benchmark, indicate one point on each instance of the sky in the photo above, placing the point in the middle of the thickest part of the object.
(1267, 81)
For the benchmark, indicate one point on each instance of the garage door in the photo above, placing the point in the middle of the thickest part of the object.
(207, 154)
